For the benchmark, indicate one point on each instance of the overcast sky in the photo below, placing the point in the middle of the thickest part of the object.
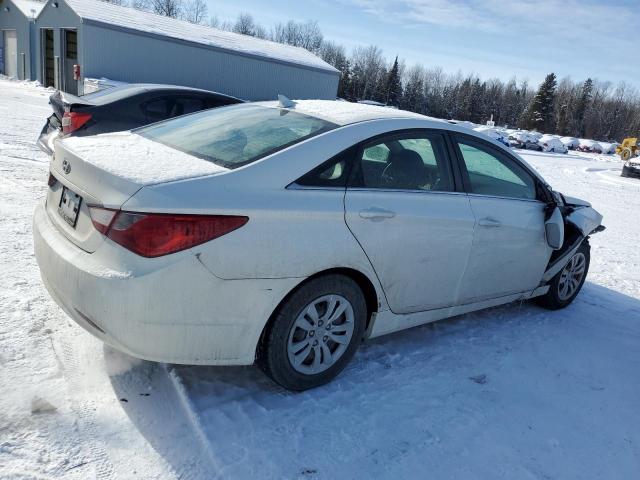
(493, 38)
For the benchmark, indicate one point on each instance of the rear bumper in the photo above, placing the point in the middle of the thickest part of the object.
(47, 138)
(170, 309)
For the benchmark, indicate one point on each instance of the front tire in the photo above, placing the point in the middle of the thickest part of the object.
(567, 283)
(315, 333)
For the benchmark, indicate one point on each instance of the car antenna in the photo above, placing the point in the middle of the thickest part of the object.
(285, 102)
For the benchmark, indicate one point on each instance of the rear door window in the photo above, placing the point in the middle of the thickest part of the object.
(416, 160)
(186, 105)
(156, 110)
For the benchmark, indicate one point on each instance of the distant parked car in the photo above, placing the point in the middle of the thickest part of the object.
(494, 133)
(589, 146)
(608, 148)
(525, 144)
(295, 231)
(552, 144)
(631, 168)
(123, 108)
(570, 142)
(524, 140)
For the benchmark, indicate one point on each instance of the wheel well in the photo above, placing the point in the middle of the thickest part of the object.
(368, 290)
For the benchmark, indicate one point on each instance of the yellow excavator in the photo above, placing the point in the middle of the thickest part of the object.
(629, 148)
(628, 151)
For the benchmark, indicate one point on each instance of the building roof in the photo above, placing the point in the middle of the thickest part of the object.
(131, 19)
(29, 8)
(344, 113)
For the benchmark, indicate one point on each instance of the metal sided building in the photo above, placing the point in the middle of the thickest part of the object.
(80, 39)
(18, 37)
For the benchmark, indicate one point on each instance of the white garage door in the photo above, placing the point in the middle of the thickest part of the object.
(10, 53)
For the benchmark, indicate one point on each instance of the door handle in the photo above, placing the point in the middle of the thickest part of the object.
(376, 214)
(489, 222)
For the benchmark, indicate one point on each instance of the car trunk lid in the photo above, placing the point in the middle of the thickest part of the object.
(106, 170)
(61, 101)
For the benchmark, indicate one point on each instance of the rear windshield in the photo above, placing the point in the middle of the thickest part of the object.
(235, 135)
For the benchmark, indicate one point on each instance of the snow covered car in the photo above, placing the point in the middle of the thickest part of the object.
(286, 233)
(121, 108)
(589, 146)
(495, 134)
(608, 148)
(524, 140)
(550, 143)
(570, 142)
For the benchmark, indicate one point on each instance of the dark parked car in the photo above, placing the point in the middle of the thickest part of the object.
(123, 108)
(631, 168)
(524, 144)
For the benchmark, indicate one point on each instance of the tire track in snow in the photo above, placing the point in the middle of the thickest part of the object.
(83, 408)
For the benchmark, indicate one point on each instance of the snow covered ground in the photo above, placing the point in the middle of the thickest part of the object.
(515, 392)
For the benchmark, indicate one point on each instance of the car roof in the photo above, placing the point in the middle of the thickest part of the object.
(148, 87)
(109, 95)
(344, 113)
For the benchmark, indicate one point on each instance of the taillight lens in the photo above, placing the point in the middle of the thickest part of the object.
(72, 121)
(157, 234)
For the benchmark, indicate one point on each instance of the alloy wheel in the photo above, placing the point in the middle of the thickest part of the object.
(571, 276)
(320, 334)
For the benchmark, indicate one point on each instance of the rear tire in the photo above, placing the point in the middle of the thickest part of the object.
(567, 283)
(315, 333)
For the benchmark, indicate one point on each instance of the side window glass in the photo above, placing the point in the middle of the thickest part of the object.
(332, 173)
(186, 105)
(412, 162)
(493, 174)
(376, 153)
(155, 110)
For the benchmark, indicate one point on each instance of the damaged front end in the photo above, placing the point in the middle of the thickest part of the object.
(570, 222)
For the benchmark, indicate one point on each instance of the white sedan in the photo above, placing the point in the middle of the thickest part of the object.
(285, 234)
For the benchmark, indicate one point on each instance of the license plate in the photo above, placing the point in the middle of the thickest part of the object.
(69, 207)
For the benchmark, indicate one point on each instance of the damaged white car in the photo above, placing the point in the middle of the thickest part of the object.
(286, 233)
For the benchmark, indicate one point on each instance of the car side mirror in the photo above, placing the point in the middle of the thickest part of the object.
(554, 229)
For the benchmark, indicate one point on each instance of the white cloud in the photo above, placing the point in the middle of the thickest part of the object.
(561, 18)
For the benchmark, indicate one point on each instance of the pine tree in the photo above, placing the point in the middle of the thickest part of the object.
(581, 107)
(393, 87)
(539, 115)
(413, 93)
(562, 125)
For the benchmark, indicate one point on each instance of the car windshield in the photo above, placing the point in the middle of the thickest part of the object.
(236, 135)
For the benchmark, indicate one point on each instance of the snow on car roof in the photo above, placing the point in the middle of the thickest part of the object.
(130, 18)
(30, 8)
(344, 113)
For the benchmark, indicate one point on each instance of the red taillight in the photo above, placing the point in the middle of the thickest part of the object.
(157, 234)
(72, 121)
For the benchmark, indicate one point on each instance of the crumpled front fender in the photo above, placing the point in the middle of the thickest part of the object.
(586, 219)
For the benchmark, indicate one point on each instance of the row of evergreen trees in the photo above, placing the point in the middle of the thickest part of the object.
(589, 109)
